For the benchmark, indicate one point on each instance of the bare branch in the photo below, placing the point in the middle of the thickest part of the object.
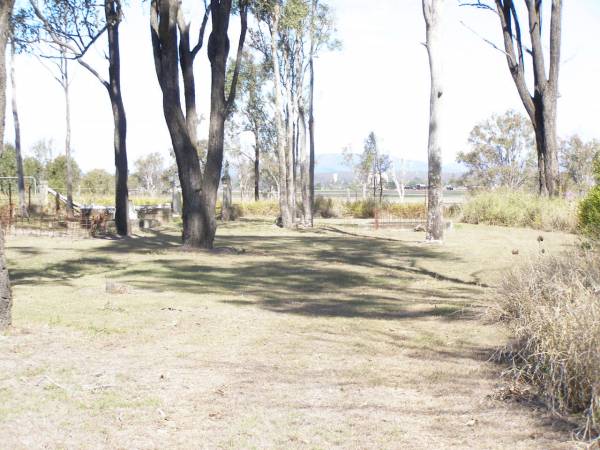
(94, 72)
(479, 5)
(202, 31)
(238, 60)
(487, 41)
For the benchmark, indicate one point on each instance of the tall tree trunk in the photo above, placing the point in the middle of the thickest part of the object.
(290, 119)
(305, 168)
(286, 213)
(20, 175)
(163, 19)
(311, 108)
(218, 50)
(432, 11)
(6, 7)
(112, 9)
(65, 85)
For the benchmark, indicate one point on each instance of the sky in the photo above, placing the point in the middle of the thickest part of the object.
(378, 81)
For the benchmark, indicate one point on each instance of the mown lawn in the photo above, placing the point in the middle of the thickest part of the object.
(332, 338)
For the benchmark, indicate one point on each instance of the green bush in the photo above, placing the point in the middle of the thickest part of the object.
(589, 213)
(520, 209)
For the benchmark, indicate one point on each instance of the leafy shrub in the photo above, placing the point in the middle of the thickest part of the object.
(520, 209)
(589, 213)
(552, 307)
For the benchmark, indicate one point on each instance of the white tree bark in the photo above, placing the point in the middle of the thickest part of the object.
(432, 12)
(399, 184)
(286, 213)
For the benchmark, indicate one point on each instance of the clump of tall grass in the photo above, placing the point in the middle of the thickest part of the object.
(109, 200)
(520, 209)
(552, 308)
(335, 208)
(367, 209)
(261, 208)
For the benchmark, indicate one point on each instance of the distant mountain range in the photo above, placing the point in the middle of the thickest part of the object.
(334, 163)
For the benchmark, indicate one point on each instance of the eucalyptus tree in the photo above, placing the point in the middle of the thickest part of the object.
(173, 51)
(501, 152)
(252, 109)
(6, 8)
(295, 31)
(541, 101)
(65, 30)
(432, 12)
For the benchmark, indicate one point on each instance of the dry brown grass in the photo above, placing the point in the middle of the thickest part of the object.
(552, 307)
(309, 339)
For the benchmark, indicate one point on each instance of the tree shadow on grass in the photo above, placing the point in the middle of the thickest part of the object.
(64, 271)
(309, 274)
(316, 275)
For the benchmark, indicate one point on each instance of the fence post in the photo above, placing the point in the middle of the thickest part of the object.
(43, 194)
(10, 203)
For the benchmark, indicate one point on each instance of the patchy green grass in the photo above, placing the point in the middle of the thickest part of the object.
(310, 339)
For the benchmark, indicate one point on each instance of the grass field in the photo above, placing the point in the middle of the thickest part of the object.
(308, 339)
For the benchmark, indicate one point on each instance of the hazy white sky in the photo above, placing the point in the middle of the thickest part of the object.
(379, 81)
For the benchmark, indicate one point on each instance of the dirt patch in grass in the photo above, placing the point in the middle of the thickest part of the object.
(312, 339)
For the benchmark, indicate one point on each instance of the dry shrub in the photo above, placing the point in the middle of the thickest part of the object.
(366, 209)
(327, 208)
(552, 307)
(261, 208)
(520, 209)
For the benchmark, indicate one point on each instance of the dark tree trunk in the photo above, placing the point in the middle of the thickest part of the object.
(199, 192)
(541, 107)
(218, 50)
(112, 9)
(15, 111)
(163, 17)
(6, 7)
